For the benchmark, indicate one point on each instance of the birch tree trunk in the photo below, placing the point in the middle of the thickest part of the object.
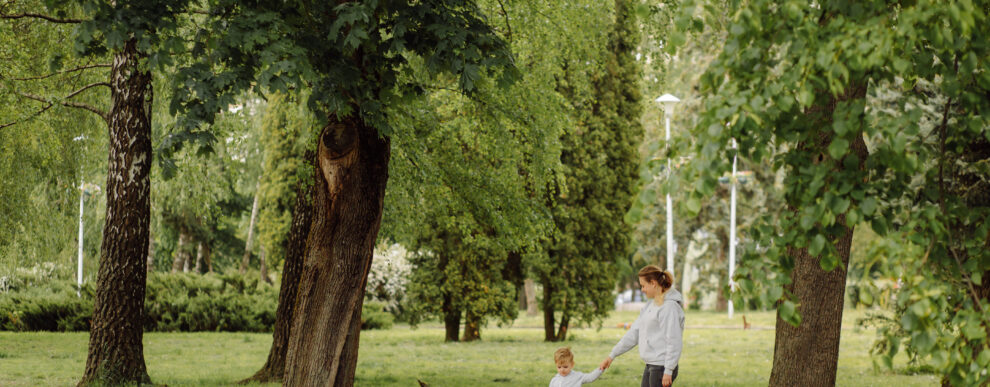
(246, 260)
(116, 351)
(347, 208)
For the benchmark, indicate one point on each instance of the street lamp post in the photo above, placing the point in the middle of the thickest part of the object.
(668, 101)
(82, 194)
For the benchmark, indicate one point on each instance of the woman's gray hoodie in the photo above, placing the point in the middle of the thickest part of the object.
(658, 331)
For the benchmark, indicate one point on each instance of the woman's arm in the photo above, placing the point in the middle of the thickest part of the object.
(672, 324)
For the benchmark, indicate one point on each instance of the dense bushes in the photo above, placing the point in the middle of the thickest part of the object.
(374, 316)
(173, 303)
(193, 302)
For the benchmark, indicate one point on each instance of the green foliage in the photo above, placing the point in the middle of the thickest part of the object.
(374, 316)
(599, 175)
(923, 181)
(351, 56)
(192, 302)
(173, 302)
(286, 129)
(468, 172)
(41, 165)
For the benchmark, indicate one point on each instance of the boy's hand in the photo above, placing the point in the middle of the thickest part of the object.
(667, 380)
(605, 364)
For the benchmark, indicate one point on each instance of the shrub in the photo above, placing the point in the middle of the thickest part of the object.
(374, 316)
(173, 302)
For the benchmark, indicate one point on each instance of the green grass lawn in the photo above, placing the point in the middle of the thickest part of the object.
(506, 356)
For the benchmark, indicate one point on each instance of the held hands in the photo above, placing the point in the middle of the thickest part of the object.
(605, 364)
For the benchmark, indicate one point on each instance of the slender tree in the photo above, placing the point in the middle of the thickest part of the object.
(600, 168)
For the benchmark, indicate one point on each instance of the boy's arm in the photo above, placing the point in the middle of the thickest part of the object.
(592, 376)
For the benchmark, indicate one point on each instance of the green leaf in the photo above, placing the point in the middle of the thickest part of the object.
(816, 245)
(788, 313)
(693, 206)
(866, 296)
(838, 147)
(868, 206)
(973, 330)
(807, 221)
(984, 358)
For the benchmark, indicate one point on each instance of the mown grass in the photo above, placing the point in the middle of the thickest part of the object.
(506, 356)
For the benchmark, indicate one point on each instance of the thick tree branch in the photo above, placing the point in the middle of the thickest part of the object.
(80, 68)
(40, 16)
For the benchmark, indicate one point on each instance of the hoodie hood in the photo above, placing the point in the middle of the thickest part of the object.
(675, 296)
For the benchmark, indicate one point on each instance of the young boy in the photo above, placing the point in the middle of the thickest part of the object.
(565, 376)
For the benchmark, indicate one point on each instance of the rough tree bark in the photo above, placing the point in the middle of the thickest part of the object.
(808, 354)
(246, 260)
(116, 353)
(302, 216)
(347, 208)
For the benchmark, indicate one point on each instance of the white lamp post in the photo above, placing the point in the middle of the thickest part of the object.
(668, 101)
(732, 229)
(82, 194)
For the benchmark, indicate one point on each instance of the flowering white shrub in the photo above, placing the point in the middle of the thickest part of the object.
(389, 275)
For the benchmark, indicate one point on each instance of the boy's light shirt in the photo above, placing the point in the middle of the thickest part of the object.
(575, 379)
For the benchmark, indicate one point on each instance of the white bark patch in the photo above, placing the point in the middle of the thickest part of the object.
(139, 159)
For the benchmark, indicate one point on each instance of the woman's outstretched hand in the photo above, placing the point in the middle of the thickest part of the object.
(605, 364)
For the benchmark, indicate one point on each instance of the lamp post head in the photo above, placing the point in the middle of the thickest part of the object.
(668, 101)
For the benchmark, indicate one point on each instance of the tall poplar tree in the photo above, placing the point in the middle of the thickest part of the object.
(600, 167)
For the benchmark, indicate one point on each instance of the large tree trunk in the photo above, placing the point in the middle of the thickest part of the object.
(472, 328)
(347, 208)
(246, 260)
(302, 216)
(451, 319)
(808, 354)
(116, 353)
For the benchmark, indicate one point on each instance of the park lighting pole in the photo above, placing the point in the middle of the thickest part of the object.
(732, 228)
(82, 194)
(668, 101)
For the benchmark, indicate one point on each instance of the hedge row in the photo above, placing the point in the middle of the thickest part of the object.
(173, 303)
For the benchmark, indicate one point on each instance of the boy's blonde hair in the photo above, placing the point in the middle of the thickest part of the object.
(563, 356)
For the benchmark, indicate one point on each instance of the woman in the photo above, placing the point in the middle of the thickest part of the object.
(658, 329)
